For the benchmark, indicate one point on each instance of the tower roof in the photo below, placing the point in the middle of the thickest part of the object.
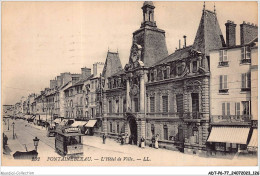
(209, 35)
(112, 64)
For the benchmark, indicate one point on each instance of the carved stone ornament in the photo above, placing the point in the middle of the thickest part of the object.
(193, 86)
(134, 90)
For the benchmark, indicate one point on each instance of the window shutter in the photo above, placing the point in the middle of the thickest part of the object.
(220, 82)
(228, 108)
(248, 53)
(223, 109)
(248, 80)
(238, 108)
(220, 56)
(243, 53)
(225, 55)
(225, 82)
(243, 80)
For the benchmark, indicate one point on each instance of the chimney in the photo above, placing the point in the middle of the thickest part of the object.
(85, 72)
(247, 32)
(230, 33)
(184, 41)
(59, 81)
(179, 44)
(97, 68)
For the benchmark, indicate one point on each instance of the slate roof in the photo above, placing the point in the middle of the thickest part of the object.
(112, 64)
(209, 35)
(177, 55)
(120, 72)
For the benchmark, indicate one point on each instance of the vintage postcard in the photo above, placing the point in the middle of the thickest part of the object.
(141, 83)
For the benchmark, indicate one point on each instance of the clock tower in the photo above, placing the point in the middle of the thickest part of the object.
(148, 44)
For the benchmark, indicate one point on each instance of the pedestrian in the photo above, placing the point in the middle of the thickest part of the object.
(153, 141)
(127, 139)
(104, 138)
(156, 145)
(142, 142)
(122, 140)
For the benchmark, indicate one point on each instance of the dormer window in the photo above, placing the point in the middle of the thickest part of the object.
(194, 66)
(155, 74)
(223, 60)
(152, 76)
(245, 55)
(165, 75)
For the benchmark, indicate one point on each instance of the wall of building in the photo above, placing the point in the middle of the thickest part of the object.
(254, 83)
(234, 80)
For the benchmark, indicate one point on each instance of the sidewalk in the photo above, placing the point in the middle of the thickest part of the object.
(13, 145)
(112, 145)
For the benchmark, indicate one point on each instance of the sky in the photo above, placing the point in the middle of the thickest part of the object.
(40, 40)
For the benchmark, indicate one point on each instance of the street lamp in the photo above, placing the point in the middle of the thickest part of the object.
(8, 124)
(13, 129)
(36, 141)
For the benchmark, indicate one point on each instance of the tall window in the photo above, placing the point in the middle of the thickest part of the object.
(246, 55)
(246, 81)
(246, 107)
(111, 127)
(237, 108)
(81, 100)
(124, 105)
(225, 108)
(223, 61)
(110, 106)
(117, 127)
(136, 104)
(152, 104)
(165, 132)
(152, 76)
(195, 102)
(152, 129)
(165, 103)
(194, 66)
(165, 76)
(223, 84)
(179, 101)
(117, 106)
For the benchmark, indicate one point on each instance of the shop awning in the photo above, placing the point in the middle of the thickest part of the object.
(91, 123)
(78, 123)
(253, 141)
(32, 117)
(235, 135)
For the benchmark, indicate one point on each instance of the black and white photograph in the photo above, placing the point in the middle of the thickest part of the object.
(129, 83)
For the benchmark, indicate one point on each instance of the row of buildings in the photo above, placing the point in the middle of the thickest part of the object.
(199, 99)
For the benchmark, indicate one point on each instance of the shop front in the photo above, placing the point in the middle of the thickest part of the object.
(228, 140)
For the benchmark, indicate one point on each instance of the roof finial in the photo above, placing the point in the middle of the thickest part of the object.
(214, 8)
(108, 49)
(204, 5)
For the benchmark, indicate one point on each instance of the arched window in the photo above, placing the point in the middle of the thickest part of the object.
(165, 132)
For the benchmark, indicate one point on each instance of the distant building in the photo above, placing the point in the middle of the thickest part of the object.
(8, 111)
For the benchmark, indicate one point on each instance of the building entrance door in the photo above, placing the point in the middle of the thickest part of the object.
(133, 131)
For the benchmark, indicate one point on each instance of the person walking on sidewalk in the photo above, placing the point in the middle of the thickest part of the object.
(156, 145)
(104, 138)
(127, 139)
(142, 142)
